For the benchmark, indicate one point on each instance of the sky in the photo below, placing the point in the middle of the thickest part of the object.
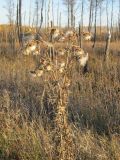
(62, 9)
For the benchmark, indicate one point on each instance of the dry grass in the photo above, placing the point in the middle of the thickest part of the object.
(26, 112)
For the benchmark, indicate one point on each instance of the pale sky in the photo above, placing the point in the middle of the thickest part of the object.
(62, 9)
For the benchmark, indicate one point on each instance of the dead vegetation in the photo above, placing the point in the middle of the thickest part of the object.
(63, 113)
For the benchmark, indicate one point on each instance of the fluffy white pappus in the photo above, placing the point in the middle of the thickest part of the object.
(61, 52)
(62, 39)
(87, 38)
(55, 35)
(39, 73)
(26, 52)
(80, 52)
(36, 53)
(61, 70)
(49, 67)
(62, 64)
(69, 33)
(84, 59)
(32, 74)
(29, 50)
(32, 48)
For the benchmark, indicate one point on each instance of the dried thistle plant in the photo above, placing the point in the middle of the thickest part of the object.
(56, 72)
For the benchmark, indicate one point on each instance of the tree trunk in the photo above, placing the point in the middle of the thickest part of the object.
(68, 14)
(41, 21)
(48, 16)
(60, 21)
(45, 16)
(19, 17)
(80, 37)
(71, 15)
(95, 25)
(53, 12)
(82, 15)
(90, 17)
(112, 18)
(107, 15)
(107, 46)
(74, 21)
(30, 14)
(100, 19)
(119, 17)
(58, 14)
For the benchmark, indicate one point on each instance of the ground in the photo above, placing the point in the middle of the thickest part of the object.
(93, 108)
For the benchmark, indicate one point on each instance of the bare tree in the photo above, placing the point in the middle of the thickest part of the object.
(95, 27)
(82, 8)
(81, 26)
(45, 15)
(100, 17)
(112, 16)
(90, 15)
(42, 5)
(36, 13)
(107, 46)
(70, 4)
(72, 7)
(10, 11)
(60, 20)
(20, 15)
(58, 13)
(119, 17)
(48, 16)
(107, 15)
(67, 4)
(10, 14)
(30, 14)
(53, 12)
(19, 20)
(71, 11)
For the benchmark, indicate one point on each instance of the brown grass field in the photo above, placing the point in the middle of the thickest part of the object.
(27, 131)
